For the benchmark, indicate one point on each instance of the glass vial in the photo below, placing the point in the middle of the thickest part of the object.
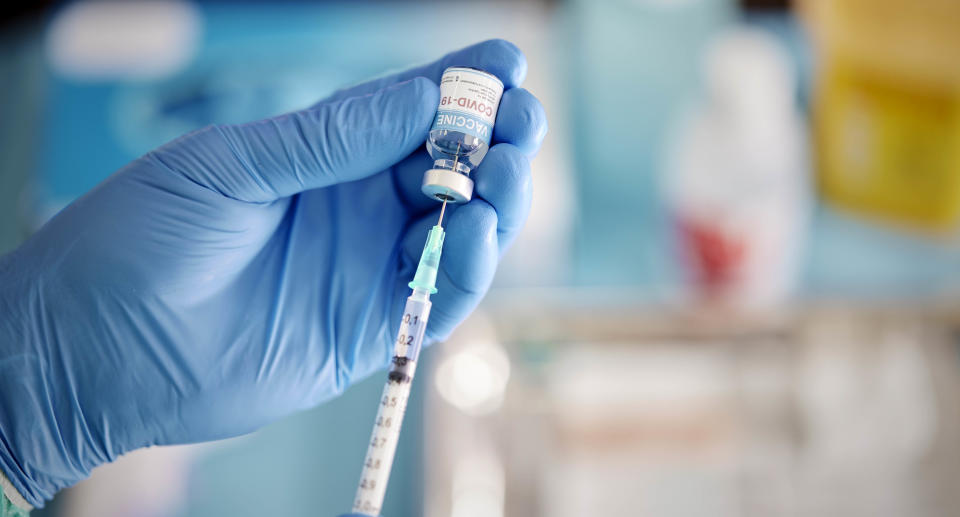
(461, 132)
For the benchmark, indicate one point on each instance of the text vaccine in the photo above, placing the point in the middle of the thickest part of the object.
(461, 132)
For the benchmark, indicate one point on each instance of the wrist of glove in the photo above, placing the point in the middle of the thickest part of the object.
(12, 504)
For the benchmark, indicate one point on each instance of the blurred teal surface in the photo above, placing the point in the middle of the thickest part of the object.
(22, 70)
(633, 65)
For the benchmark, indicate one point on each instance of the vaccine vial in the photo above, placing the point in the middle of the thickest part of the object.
(461, 132)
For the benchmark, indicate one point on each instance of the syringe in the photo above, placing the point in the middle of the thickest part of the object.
(393, 403)
(470, 129)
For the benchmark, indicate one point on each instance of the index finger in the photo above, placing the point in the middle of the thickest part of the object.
(496, 56)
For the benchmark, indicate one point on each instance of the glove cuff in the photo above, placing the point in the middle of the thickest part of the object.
(12, 504)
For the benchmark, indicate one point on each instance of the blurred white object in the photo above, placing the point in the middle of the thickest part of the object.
(478, 485)
(112, 40)
(148, 482)
(736, 174)
(868, 403)
(474, 379)
(640, 427)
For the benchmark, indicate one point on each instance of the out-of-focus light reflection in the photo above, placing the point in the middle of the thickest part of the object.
(478, 486)
(474, 379)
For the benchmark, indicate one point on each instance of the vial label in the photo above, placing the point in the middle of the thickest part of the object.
(468, 102)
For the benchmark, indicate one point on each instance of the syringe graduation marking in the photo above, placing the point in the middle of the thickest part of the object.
(396, 392)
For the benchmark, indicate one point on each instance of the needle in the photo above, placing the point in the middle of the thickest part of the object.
(442, 210)
(446, 197)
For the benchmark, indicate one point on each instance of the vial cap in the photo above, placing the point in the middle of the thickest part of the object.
(446, 185)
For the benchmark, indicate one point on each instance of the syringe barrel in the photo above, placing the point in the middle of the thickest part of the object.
(413, 325)
(393, 405)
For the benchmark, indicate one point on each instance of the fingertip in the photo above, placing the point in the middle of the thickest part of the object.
(408, 177)
(389, 123)
(477, 218)
(521, 121)
(496, 56)
(504, 180)
(471, 248)
(505, 60)
(421, 96)
(425, 88)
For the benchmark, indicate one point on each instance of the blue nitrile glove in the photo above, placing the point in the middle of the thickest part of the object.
(242, 273)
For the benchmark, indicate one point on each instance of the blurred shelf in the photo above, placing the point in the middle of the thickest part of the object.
(571, 315)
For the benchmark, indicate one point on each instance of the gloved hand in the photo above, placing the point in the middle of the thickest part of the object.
(242, 273)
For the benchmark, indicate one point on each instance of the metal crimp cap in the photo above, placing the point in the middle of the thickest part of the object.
(447, 185)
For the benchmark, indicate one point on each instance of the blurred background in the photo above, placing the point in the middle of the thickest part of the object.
(738, 293)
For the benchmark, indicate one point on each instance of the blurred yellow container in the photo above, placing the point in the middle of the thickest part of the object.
(887, 108)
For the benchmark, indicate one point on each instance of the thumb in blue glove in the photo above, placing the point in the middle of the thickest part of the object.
(241, 273)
